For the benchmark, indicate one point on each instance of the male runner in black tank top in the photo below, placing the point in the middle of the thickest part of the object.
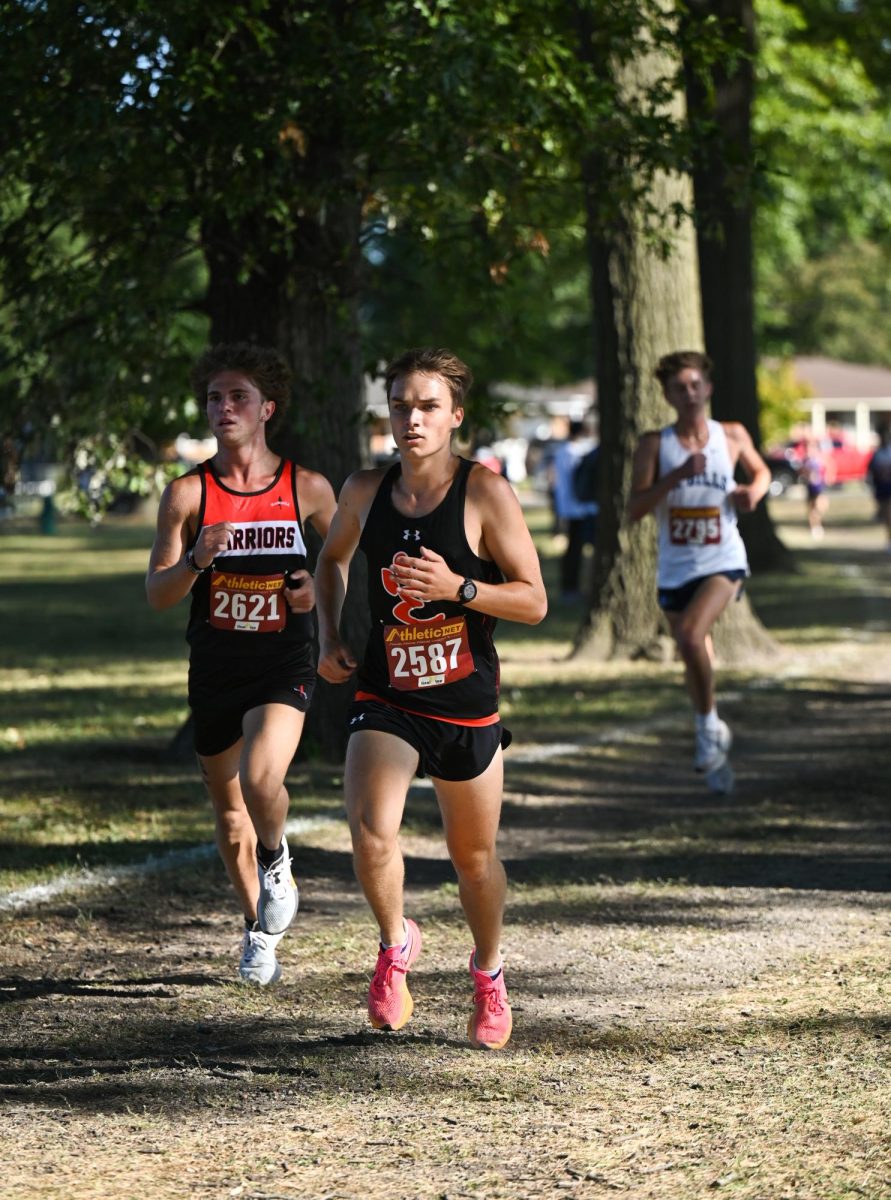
(448, 554)
(230, 533)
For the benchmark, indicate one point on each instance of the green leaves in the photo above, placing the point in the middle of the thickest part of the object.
(824, 147)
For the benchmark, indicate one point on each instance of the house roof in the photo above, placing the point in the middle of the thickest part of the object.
(835, 380)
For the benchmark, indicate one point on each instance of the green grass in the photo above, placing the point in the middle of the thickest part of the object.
(93, 689)
(700, 987)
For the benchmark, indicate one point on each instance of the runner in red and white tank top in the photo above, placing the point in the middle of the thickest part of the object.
(230, 534)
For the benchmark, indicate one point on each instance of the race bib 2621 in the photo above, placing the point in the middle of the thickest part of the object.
(247, 603)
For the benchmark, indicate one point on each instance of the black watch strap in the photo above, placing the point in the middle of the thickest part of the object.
(192, 565)
(467, 591)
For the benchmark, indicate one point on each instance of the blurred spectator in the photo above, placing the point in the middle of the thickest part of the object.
(817, 474)
(879, 475)
(578, 515)
(487, 456)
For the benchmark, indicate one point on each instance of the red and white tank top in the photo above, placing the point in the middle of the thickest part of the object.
(238, 606)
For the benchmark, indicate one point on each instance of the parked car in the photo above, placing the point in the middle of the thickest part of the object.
(786, 460)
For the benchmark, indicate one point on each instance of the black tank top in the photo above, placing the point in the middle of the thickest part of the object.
(238, 606)
(436, 659)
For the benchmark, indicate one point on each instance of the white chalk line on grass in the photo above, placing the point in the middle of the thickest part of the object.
(100, 878)
(106, 877)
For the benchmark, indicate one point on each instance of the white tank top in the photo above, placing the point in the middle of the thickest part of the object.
(698, 532)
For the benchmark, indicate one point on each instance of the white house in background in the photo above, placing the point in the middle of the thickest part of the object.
(852, 395)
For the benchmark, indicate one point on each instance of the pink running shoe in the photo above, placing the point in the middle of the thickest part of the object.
(490, 1026)
(389, 1001)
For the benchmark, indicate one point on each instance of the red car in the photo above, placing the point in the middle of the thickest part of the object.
(786, 460)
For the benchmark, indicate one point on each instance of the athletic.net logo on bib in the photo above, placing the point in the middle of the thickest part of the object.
(247, 603)
(695, 526)
(428, 655)
(423, 652)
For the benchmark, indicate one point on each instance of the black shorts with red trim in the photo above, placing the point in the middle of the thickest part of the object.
(445, 750)
(221, 691)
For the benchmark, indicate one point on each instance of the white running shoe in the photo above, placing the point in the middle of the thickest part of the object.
(721, 781)
(712, 746)
(258, 962)
(277, 903)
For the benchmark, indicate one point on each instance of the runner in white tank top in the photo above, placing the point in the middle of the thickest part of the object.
(698, 532)
(685, 475)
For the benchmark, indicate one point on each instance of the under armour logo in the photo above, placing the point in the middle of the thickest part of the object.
(356, 720)
(407, 534)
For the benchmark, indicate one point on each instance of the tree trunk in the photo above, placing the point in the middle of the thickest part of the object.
(720, 114)
(305, 305)
(645, 304)
(319, 336)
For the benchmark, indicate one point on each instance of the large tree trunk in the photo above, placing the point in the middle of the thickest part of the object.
(306, 306)
(319, 335)
(645, 305)
(720, 114)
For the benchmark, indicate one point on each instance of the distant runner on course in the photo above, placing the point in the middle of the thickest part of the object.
(230, 536)
(448, 553)
(685, 475)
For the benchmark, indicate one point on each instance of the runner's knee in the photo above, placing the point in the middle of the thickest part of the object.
(473, 865)
(261, 786)
(234, 826)
(690, 640)
(374, 847)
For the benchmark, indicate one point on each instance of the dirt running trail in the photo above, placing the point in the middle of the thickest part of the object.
(700, 985)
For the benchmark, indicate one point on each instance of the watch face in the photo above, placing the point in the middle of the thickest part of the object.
(468, 590)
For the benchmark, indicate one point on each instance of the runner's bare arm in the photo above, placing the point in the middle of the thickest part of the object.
(336, 660)
(317, 500)
(169, 579)
(315, 496)
(646, 489)
(494, 510)
(747, 496)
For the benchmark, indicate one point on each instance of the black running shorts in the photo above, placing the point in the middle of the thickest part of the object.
(222, 691)
(445, 751)
(677, 599)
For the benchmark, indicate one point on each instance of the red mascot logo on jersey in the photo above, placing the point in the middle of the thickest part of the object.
(423, 652)
(404, 609)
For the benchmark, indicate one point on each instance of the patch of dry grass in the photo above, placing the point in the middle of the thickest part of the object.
(701, 989)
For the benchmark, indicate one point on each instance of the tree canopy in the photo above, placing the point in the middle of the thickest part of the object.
(823, 133)
(410, 170)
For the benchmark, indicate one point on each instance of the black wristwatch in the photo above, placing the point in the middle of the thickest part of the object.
(193, 566)
(467, 591)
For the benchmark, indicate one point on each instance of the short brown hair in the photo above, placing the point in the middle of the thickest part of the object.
(263, 365)
(426, 360)
(671, 364)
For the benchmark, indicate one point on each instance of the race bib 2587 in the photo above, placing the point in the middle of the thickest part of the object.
(428, 654)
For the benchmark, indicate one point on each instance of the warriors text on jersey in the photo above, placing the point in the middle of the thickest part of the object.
(238, 606)
(436, 659)
(698, 532)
